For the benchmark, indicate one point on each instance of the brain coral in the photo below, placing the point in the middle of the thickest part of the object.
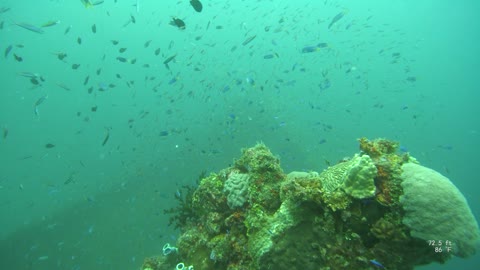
(436, 210)
(237, 188)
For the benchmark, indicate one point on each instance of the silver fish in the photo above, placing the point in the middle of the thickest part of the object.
(30, 27)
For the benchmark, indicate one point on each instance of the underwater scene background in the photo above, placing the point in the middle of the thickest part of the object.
(109, 108)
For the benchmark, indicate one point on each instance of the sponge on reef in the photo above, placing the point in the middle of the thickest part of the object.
(436, 210)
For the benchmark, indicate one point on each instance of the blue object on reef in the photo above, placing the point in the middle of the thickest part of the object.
(376, 263)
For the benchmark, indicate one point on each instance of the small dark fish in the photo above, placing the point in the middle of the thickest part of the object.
(94, 28)
(86, 80)
(60, 55)
(197, 5)
(114, 42)
(63, 86)
(122, 59)
(90, 90)
(163, 133)
(94, 108)
(412, 79)
(336, 18)
(147, 44)
(248, 40)
(18, 58)
(122, 50)
(67, 29)
(87, 3)
(270, 56)
(157, 51)
(1, 24)
(79, 41)
(325, 84)
(168, 60)
(178, 23)
(403, 149)
(40, 101)
(445, 147)
(50, 23)
(70, 179)
(5, 133)
(309, 49)
(8, 50)
(4, 9)
(49, 145)
(174, 79)
(75, 66)
(34, 81)
(99, 71)
(106, 137)
(132, 19)
(96, 3)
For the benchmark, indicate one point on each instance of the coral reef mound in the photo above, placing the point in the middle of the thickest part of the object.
(373, 210)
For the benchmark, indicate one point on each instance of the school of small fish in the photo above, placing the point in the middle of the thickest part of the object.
(135, 70)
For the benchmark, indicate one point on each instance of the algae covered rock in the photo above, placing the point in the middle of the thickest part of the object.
(436, 210)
